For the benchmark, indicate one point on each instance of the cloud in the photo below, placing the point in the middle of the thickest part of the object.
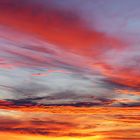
(69, 69)
(57, 42)
(47, 49)
(131, 92)
(53, 24)
(79, 123)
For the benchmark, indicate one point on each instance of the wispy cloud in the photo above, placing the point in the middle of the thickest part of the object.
(76, 63)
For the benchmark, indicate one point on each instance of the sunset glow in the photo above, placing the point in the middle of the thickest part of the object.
(69, 69)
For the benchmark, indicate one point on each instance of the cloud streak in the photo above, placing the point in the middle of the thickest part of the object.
(73, 66)
(79, 123)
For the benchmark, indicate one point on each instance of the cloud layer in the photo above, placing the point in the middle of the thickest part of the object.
(70, 57)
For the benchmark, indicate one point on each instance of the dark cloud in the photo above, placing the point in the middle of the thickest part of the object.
(58, 99)
(125, 104)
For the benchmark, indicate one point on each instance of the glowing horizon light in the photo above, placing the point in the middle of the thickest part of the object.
(32, 137)
(69, 69)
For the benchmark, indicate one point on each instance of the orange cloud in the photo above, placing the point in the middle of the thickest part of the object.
(33, 137)
(69, 32)
(128, 91)
(111, 123)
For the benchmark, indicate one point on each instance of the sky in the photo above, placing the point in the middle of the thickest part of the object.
(73, 66)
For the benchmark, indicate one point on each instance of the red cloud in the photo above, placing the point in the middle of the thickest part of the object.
(68, 31)
(120, 75)
(63, 28)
